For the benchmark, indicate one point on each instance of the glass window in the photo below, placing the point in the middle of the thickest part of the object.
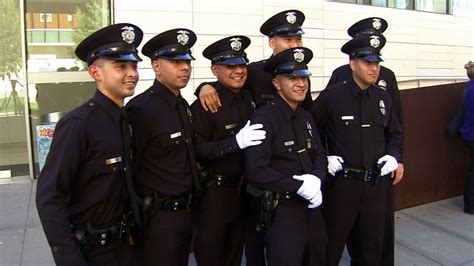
(438, 6)
(404, 4)
(379, 2)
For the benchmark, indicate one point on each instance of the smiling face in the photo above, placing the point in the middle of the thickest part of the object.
(281, 43)
(365, 73)
(174, 74)
(232, 77)
(115, 79)
(292, 89)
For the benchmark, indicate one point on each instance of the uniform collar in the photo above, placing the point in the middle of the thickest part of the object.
(166, 93)
(356, 90)
(108, 105)
(285, 107)
(227, 95)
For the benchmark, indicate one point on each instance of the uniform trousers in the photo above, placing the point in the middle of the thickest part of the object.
(116, 253)
(388, 245)
(287, 241)
(166, 239)
(254, 242)
(355, 212)
(220, 232)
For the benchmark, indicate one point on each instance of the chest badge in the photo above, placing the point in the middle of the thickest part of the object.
(310, 129)
(190, 116)
(382, 84)
(382, 107)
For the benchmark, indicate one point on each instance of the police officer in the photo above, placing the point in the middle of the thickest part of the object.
(82, 197)
(386, 81)
(220, 138)
(362, 129)
(163, 150)
(290, 163)
(284, 31)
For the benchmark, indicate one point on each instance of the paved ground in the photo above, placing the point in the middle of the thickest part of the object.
(438, 233)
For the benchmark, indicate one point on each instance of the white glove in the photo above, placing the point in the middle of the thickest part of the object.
(390, 165)
(334, 164)
(309, 189)
(316, 201)
(250, 135)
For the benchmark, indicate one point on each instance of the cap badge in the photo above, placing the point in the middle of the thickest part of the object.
(382, 107)
(291, 17)
(235, 44)
(298, 55)
(182, 37)
(376, 23)
(128, 34)
(382, 84)
(374, 41)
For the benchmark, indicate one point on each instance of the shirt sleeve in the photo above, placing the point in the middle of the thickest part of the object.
(54, 191)
(393, 135)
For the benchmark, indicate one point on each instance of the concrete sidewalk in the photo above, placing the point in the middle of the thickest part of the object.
(438, 233)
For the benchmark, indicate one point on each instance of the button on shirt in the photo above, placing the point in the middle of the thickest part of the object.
(82, 181)
(215, 143)
(272, 164)
(337, 113)
(161, 162)
(259, 82)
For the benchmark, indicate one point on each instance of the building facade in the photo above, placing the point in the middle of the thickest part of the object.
(428, 42)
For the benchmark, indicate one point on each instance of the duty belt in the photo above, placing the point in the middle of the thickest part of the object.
(101, 236)
(287, 195)
(227, 181)
(360, 174)
(174, 204)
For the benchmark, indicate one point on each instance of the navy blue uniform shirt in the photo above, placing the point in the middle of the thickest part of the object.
(82, 181)
(161, 162)
(215, 143)
(272, 164)
(337, 113)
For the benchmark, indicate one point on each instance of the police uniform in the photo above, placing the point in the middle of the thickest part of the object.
(290, 134)
(82, 192)
(386, 81)
(163, 155)
(360, 126)
(220, 234)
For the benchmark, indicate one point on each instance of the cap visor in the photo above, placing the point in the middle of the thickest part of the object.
(122, 57)
(233, 61)
(372, 58)
(297, 73)
(178, 57)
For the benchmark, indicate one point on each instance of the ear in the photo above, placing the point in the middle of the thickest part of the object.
(271, 43)
(214, 70)
(276, 83)
(155, 65)
(94, 72)
(352, 64)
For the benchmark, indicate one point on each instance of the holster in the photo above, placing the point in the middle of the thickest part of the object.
(148, 208)
(264, 203)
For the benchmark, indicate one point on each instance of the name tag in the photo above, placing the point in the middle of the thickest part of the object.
(347, 117)
(268, 96)
(302, 150)
(113, 160)
(175, 135)
(231, 126)
(365, 125)
(288, 143)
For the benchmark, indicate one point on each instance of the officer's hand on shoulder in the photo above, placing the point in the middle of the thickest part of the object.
(209, 98)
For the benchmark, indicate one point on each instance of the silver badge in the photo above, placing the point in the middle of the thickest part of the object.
(382, 84)
(190, 116)
(298, 55)
(376, 23)
(254, 106)
(382, 107)
(291, 17)
(128, 34)
(183, 37)
(374, 41)
(310, 129)
(235, 44)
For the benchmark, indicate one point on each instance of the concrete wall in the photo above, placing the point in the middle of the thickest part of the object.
(421, 45)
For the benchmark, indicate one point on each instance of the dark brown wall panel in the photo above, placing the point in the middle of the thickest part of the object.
(435, 162)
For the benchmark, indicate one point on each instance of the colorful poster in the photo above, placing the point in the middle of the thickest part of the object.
(44, 136)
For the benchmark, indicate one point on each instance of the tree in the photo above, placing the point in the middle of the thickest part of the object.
(10, 40)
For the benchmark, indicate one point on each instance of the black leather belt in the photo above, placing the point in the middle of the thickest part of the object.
(174, 204)
(227, 181)
(101, 236)
(360, 174)
(287, 195)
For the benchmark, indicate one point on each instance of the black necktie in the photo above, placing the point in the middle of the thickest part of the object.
(367, 140)
(186, 124)
(239, 101)
(126, 140)
(302, 150)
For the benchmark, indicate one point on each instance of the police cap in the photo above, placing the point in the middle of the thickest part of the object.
(366, 47)
(368, 26)
(285, 23)
(114, 42)
(228, 51)
(173, 44)
(290, 62)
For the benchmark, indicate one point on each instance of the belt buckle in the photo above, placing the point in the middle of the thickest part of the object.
(367, 176)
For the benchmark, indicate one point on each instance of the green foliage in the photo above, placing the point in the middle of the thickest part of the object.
(10, 39)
